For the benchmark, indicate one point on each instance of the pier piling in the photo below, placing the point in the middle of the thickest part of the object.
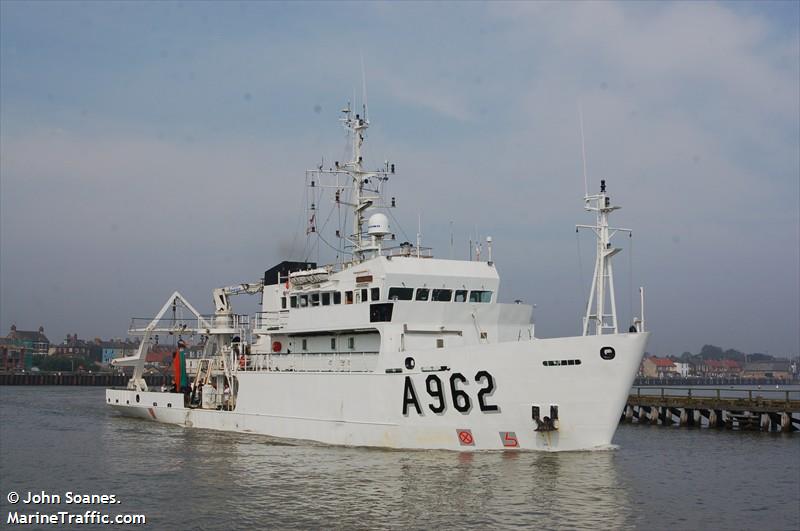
(750, 409)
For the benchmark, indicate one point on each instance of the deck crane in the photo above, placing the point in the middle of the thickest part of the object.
(222, 305)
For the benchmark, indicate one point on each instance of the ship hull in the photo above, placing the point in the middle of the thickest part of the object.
(479, 397)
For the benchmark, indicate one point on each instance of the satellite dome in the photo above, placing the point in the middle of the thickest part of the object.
(378, 225)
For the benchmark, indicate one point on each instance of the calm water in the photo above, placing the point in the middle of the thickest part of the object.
(62, 439)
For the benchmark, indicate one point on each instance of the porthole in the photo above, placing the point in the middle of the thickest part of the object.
(137, 399)
(607, 353)
(409, 363)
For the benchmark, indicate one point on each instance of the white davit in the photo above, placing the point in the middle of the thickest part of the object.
(391, 347)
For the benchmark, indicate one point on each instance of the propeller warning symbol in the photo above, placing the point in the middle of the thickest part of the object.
(465, 437)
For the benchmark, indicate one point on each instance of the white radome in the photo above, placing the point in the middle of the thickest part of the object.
(378, 225)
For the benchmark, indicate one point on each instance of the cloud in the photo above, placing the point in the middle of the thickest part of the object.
(691, 115)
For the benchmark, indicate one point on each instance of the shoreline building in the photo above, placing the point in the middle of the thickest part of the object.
(655, 367)
(19, 346)
(116, 348)
(34, 341)
(762, 370)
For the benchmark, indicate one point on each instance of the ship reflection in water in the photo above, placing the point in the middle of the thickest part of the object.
(60, 439)
(354, 488)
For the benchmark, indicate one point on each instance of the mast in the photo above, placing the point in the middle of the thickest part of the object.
(366, 185)
(358, 128)
(603, 317)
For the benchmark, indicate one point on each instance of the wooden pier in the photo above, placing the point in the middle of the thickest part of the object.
(739, 409)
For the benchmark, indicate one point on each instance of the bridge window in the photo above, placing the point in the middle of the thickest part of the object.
(315, 299)
(442, 295)
(337, 297)
(380, 313)
(326, 299)
(375, 294)
(401, 294)
(364, 295)
(348, 297)
(305, 344)
(293, 301)
(461, 295)
(333, 343)
(303, 301)
(422, 294)
(283, 303)
(351, 343)
(480, 296)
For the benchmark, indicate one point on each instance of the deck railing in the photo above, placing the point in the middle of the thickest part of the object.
(188, 325)
(355, 361)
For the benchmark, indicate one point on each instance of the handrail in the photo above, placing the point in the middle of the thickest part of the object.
(139, 325)
(719, 392)
(341, 361)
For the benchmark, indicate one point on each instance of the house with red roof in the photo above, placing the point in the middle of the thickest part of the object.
(655, 367)
(720, 368)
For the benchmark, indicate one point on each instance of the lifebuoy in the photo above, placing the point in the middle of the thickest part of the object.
(276, 346)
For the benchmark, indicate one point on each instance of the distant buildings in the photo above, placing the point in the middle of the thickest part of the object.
(23, 350)
(13, 356)
(655, 367)
(683, 369)
(73, 347)
(117, 349)
(666, 367)
(719, 369)
(19, 346)
(778, 370)
(34, 342)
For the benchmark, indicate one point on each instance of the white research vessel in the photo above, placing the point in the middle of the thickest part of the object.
(394, 348)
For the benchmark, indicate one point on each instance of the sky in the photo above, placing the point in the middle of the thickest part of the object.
(149, 147)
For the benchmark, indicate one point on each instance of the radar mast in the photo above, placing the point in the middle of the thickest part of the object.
(604, 318)
(365, 184)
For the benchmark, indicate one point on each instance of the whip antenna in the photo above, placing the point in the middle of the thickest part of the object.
(364, 87)
(583, 153)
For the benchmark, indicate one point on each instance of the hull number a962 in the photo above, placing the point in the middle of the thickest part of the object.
(459, 398)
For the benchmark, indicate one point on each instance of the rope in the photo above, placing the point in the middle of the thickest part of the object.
(397, 224)
(338, 250)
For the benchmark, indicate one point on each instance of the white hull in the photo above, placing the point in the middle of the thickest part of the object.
(367, 409)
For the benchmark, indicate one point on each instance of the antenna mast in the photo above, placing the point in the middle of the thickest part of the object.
(583, 154)
(366, 185)
(602, 317)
